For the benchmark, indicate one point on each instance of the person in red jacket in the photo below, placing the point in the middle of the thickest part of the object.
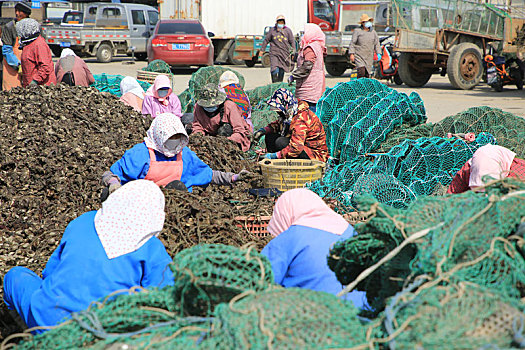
(488, 161)
(37, 65)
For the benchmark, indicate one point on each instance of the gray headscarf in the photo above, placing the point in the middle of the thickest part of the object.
(27, 30)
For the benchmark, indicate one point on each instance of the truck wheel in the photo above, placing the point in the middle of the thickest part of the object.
(335, 69)
(265, 60)
(397, 79)
(465, 66)
(250, 63)
(232, 60)
(408, 74)
(141, 56)
(104, 53)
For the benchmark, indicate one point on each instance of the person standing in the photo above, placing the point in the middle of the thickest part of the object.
(309, 74)
(365, 42)
(10, 48)
(72, 70)
(37, 64)
(282, 48)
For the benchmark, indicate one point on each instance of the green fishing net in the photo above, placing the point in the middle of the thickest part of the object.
(111, 83)
(261, 94)
(209, 75)
(158, 66)
(187, 104)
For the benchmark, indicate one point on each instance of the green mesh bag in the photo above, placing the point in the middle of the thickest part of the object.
(456, 316)
(289, 318)
(206, 275)
(111, 84)
(209, 75)
(158, 66)
(187, 104)
(261, 94)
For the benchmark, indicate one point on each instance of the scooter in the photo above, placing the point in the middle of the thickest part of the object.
(387, 64)
(501, 72)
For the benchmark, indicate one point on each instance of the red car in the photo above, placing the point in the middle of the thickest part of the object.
(180, 43)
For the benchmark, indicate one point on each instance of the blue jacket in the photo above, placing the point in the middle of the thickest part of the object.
(134, 165)
(298, 257)
(79, 272)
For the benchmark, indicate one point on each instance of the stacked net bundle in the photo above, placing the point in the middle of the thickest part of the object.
(186, 103)
(209, 274)
(286, 319)
(411, 169)
(261, 118)
(469, 237)
(158, 66)
(261, 94)
(404, 132)
(111, 83)
(335, 98)
(361, 125)
(209, 75)
(507, 128)
(455, 316)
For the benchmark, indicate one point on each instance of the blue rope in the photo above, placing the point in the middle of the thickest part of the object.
(518, 337)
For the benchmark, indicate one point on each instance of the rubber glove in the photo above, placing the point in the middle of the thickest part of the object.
(243, 175)
(271, 156)
(258, 134)
(290, 80)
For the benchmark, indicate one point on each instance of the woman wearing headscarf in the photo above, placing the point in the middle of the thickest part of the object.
(165, 159)
(304, 229)
(309, 74)
(161, 99)
(72, 70)
(215, 115)
(365, 42)
(37, 64)
(229, 82)
(132, 93)
(297, 134)
(493, 161)
(100, 252)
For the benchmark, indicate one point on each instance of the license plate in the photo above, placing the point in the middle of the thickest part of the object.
(180, 46)
(492, 78)
(65, 44)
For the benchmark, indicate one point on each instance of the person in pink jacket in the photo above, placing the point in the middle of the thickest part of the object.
(309, 74)
(160, 99)
(132, 93)
(72, 70)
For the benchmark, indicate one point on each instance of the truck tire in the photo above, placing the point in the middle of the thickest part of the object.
(265, 60)
(398, 80)
(142, 56)
(465, 66)
(250, 63)
(232, 60)
(104, 53)
(335, 69)
(410, 76)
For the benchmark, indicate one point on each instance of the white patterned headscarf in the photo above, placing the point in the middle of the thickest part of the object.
(67, 52)
(130, 84)
(130, 217)
(27, 30)
(163, 127)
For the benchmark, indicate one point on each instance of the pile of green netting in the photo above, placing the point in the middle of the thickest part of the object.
(413, 168)
(209, 75)
(469, 237)
(158, 66)
(111, 83)
(261, 94)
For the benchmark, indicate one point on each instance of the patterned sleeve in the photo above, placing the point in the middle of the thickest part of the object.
(299, 129)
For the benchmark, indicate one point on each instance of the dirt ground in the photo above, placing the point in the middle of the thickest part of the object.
(441, 99)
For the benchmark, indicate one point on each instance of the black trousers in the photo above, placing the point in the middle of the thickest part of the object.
(277, 75)
(276, 142)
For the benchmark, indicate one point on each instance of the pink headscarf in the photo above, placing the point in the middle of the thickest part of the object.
(490, 160)
(130, 217)
(312, 32)
(161, 81)
(303, 207)
(161, 129)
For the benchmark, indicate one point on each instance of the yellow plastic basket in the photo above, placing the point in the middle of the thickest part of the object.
(287, 174)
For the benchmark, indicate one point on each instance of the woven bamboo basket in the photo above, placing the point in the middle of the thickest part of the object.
(287, 174)
(149, 77)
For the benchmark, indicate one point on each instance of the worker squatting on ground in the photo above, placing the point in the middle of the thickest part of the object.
(495, 162)
(100, 252)
(282, 49)
(297, 134)
(11, 68)
(161, 99)
(309, 74)
(165, 159)
(132, 93)
(229, 84)
(72, 70)
(36, 60)
(304, 229)
(365, 42)
(215, 115)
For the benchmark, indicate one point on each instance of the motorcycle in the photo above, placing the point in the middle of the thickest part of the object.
(386, 65)
(501, 72)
